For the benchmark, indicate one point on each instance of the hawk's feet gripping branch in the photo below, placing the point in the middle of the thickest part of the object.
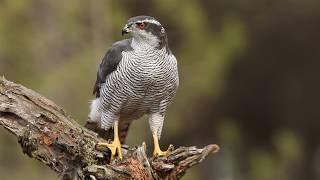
(157, 151)
(115, 146)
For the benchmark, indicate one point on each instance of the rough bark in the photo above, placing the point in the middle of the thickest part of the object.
(45, 132)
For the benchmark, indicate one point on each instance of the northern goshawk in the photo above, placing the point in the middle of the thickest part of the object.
(137, 76)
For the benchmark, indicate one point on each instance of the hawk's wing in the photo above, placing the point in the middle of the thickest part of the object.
(110, 63)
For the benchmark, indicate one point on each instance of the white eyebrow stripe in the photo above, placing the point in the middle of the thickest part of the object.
(150, 21)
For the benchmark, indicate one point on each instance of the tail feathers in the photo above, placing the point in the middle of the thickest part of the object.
(108, 134)
(123, 130)
(94, 126)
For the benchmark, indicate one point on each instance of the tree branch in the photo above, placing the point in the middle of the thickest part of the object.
(45, 132)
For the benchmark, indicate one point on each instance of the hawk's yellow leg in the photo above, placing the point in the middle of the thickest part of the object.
(157, 151)
(115, 146)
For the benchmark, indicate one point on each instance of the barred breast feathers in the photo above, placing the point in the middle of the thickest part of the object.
(157, 68)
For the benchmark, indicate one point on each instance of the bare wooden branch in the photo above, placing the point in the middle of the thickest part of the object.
(48, 134)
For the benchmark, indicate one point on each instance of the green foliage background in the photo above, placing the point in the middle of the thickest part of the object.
(249, 74)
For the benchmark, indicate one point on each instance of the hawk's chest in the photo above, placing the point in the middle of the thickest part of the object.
(147, 69)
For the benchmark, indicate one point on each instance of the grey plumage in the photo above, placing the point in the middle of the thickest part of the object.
(110, 62)
(137, 76)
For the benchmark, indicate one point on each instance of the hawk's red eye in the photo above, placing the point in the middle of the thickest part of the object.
(141, 25)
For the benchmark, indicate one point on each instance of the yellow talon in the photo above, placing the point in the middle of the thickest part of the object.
(115, 146)
(157, 151)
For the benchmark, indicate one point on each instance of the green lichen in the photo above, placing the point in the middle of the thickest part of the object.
(1, 87)
(89, 151)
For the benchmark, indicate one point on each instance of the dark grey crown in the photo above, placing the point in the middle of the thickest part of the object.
(140, 18)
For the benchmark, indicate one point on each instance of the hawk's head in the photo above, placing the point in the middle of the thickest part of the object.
(146, 29)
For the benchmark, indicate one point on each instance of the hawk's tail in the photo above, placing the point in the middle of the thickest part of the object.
(123, 130)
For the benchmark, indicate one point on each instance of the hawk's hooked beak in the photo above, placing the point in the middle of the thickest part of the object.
(125, 29)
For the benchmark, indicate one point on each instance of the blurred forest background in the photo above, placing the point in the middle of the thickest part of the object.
(249, 73)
